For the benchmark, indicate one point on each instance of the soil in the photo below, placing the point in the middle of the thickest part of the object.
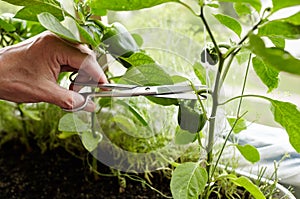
(57, 174)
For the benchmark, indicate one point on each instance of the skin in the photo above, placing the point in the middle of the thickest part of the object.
(29, 71)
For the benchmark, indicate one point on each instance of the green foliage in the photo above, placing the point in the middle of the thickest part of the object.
(121, 5)
(238, 126)
(256, 4)
(249, 152)
(287, 114)
(53, 24)
(230, 23)
(278, 4)
(266, 73)
(281, 29)
(275, 57)
(188, 181)
(30, 12)
(248, 185)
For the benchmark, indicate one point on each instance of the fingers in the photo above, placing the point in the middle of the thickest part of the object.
(80, 57)
(67, 99)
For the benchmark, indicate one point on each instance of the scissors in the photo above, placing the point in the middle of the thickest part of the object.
(174, 91)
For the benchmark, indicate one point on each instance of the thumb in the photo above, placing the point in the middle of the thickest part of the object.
(67, 99)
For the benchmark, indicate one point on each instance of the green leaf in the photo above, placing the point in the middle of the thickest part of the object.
(280, 29)
(230, 23)
(249, 152)
(267, 74)
(200, 72)
(243, 56)
(7, 27)
(52, 23)
(294, 19)
(213, 4)
(256, 4)
(188, 181)
(183, 137)
(279, 4)
(70, 122)
(275, 57)
(30, 12)
(137, 59)
(138, 39)
(134, 111)
(90, 141)
(287, 115)
(249, 186)
(179, 79)
(242, 9)
(240, 125)
(86, 37)
(32, 2)
(121, 5)
(277, 41)
(145, 72)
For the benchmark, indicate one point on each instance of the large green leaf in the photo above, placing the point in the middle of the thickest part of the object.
(30, 12)
(188, 181)
(294, 19)
(280, 29)
(287, 115)
(249, 152)
(138, 59)
(120, 5)
(248, 185)
(51, 23)
(275, 57)
(279, 4)
(267, 74)
(145, 71)
(230, 23)
(32, 2)
(256, 4)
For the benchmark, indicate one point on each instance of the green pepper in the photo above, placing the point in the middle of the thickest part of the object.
(190, 117)
(209, 55)
(119, 42)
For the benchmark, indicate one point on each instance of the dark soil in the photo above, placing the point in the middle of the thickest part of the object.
(57, 174)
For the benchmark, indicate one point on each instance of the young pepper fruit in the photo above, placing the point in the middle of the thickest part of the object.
(190, 117)
(119, 42)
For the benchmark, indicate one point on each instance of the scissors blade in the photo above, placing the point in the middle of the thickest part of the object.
(165, 91)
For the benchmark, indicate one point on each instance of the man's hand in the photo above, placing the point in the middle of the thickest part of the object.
(29, 70)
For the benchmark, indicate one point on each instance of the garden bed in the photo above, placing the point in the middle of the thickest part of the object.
(57, 174)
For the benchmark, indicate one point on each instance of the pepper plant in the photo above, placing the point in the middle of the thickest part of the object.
(190, 179)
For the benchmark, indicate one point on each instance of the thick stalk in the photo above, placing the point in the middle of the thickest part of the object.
(215, 98)
(212, 119)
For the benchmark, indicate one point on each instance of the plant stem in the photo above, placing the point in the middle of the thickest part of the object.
(215, 99)
(212, 121)
(209, 31)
